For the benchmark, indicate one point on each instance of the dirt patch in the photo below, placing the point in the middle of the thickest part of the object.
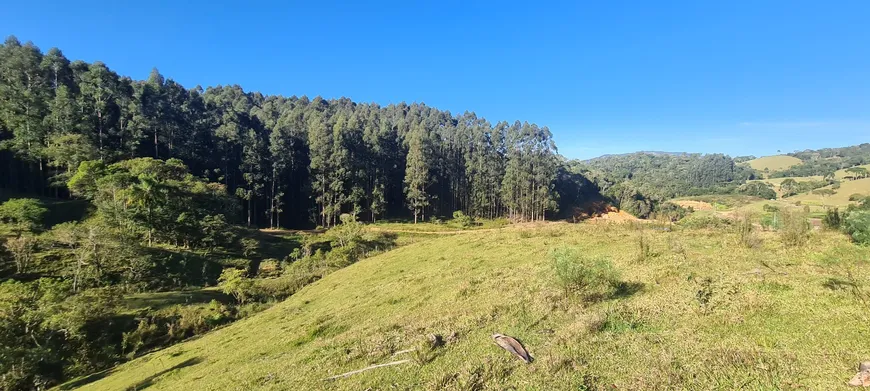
(696, 205)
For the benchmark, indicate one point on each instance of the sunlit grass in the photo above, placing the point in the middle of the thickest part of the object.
(775, 318)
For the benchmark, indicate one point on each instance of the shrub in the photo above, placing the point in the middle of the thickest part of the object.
(643, 250)
(22, 249)
(857, 225)
(269, 268)
(25, 214)
(794, 227)
(832, 219)
(704, 220)
(670, 211)
(234, 282)
(856, 197)
(744, 220)
(578, 273)
(250, 247)
(757, 189)
(462, 219)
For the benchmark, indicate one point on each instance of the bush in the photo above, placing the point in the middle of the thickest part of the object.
(744, 220)
(794, 227)
(857, 225)
(856, 197)
(704, 220)
(832, 219)
(670, 211)
(577, 273)
(757, 189)
(462, 219)
(235, 282)
(25, 214)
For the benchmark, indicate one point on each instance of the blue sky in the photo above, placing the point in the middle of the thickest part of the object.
(739, 77)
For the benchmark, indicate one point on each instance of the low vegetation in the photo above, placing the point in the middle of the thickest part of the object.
(770, 164)
(734, 316)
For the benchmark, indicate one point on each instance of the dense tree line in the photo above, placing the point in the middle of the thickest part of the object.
(290, 160)
(640, 182)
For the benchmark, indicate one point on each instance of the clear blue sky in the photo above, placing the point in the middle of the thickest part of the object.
(739, 77)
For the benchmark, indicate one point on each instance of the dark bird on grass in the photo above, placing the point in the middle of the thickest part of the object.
(512, 345)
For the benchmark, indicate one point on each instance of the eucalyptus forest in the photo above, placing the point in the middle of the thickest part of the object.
(136, 215)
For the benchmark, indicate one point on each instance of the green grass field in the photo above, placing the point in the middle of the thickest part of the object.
(773, 318)
(773, 163)
(448, 226)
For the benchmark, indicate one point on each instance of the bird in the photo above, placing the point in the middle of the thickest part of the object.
(512, 345)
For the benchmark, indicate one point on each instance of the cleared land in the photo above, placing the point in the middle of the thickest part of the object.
(840, 198)
(773, 163)
(774, 318)
(840, 174)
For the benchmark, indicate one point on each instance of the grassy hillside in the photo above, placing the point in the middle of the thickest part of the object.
(773, 163)
(840, 174)
(699, 312)
(840, 198)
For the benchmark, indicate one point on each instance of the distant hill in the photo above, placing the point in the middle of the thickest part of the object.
(654, 153)
(769, 164)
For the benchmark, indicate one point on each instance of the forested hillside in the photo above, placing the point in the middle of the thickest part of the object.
(637, 182)
(292, 161)
(824, 162)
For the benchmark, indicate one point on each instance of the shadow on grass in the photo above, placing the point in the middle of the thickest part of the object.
(149, 381)
(72, 384)
(625, 289)
(620, 290)
(839, 284)
(163, 300)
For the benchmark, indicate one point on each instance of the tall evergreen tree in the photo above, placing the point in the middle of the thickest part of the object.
(417, 172)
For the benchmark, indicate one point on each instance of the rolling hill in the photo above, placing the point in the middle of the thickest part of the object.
(769, 164)
(759, 326)
(840, 197)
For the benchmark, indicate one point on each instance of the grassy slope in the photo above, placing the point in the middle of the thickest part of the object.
(768, 329)
(840, 174)
(840, 198)
(773, 163)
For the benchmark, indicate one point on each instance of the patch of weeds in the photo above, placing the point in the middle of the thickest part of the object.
(849, 283)
(710, 295)
(845, 264)
(525, 234)
(590, 382)
(443, 382)
(678, 248)
(643, 248)
(743, 224)
(704, 295)
(794, 227)
(617, 321)
(468, 288)
(773, 286)
(554, 232)
(427, 349)
(323, 327)
(732, 368)
(480, 375)
(577, 273)
(621, 322)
